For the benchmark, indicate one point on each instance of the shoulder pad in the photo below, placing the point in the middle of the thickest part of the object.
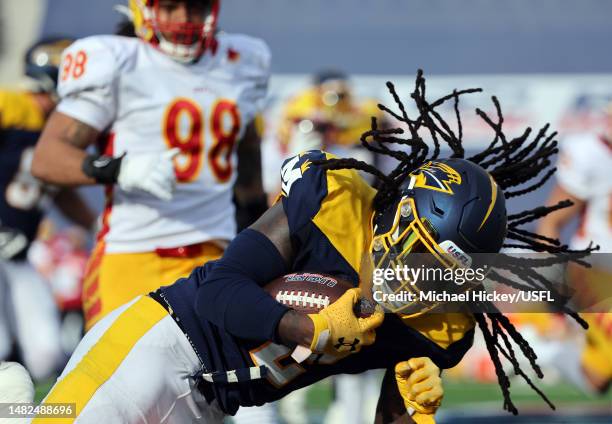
(93, 62)
(246, 52)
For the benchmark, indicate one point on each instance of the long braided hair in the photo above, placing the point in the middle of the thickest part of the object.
(512, 163)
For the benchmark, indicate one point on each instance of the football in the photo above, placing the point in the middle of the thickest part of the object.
(310, 292)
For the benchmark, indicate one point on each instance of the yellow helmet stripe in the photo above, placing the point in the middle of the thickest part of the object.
(493, 199)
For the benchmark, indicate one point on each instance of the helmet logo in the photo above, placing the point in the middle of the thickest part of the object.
(450, 248)
(435, 176)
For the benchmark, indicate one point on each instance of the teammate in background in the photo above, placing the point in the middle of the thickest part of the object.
(177, 109)
(216, 341)
(327, 116)
(28, 314)
(585, 177)
(60, 256)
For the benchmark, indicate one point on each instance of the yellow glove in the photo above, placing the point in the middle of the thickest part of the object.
(338, 332)
(420, 385)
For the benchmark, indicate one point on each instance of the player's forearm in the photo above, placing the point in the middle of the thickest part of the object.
(250, 197)
(404, 418)
(390, 407)
(231, 296)
(60, 151)
(249, 183)
(74, 208)
(295, 328)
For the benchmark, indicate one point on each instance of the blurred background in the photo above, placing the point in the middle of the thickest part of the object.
(547, 61)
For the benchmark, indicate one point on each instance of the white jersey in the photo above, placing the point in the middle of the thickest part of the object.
(148, 102)
(585, 171)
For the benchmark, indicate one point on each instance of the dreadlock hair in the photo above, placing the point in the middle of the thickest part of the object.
(511, 163)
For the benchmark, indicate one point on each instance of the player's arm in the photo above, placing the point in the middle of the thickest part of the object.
(89, 97)
(574, 181)
(60, 151)
(251, 200)
(72, 205)
(232, 298)
(60, 158)
(411, 392)
(552, 224)
(390, 407)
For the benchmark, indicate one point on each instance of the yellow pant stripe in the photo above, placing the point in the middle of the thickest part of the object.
(103, 359)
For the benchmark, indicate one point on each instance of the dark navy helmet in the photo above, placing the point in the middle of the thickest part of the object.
(446, 211)
(42, 61)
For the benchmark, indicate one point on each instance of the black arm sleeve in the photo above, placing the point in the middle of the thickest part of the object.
(231, 296)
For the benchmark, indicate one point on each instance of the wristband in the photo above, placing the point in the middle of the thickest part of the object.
(103, 169)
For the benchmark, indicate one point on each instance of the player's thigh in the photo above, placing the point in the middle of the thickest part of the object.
(134, 365)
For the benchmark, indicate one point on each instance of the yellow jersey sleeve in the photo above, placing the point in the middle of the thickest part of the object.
(328, 212)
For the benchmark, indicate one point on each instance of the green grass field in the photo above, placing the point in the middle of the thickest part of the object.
(466, 395)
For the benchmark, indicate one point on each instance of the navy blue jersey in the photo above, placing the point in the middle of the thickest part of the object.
(21, 122)
(329, 214)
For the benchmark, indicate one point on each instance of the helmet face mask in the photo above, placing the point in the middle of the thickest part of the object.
(410, 243)
(448, 208)
(182, 29)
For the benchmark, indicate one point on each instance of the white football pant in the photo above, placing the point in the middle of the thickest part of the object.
(134, 366)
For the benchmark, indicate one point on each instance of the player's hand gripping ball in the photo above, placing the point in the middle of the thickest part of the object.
(420, 385)
(333, 305)
(338, 331)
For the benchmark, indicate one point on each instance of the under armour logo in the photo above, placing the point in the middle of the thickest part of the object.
(341, 343)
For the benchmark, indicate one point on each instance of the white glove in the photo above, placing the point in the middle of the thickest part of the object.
(150, 172)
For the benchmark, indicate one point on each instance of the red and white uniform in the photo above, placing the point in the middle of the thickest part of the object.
(148, 102)
(585, 171)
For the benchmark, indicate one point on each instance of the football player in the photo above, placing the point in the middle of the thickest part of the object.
(28, 315)
(584, 177)
(328, 116)
(216, 341)
(325, 116)
(176, 107)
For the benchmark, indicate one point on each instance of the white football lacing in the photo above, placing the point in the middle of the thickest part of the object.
(290, 298)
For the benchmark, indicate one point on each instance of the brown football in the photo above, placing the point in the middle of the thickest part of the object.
(309, 292)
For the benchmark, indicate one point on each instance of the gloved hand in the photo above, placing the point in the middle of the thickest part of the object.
(150, 172)
(338, 332)
(420, 385)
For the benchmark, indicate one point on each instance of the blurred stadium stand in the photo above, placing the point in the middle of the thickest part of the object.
(396, 36)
